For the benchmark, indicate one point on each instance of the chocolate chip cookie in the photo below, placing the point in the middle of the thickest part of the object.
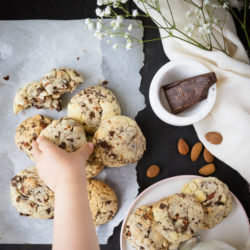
(30, 196)
(178, 217)
(102, 200)
(141, 233)
(94, 164)
(93, 105)
(119, 141)
(34, 95)
(67, 133)
(60, 81)
(214, 197)
(29, 130)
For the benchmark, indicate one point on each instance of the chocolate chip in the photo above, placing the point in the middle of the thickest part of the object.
(62, 145)
(48, 210)
(43, 125)
(24, 214)
(105, 82)
(39, 91)
(162, 206)
(111, 133)
(78, 58)
(6, 78)
(107, 202)
(104, 145)
(91, 114)
(34, 135)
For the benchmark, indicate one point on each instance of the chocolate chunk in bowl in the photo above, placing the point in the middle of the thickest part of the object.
(183, 94)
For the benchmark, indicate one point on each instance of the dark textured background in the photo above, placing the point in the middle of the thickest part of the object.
(161, 138)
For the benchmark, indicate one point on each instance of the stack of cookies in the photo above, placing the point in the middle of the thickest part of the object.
(94, 114)
(203, 203)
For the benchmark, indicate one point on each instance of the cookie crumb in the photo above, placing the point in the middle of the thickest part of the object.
(6, 78)
(78, 58)
(105, 82)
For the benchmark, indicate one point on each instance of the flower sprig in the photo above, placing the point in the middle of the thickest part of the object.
(203, 23)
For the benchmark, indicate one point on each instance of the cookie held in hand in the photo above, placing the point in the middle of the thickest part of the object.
(119, 141)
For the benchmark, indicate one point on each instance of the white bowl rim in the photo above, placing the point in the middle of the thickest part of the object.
(158, 108)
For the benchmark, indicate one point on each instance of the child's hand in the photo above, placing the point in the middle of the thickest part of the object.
(56, 166)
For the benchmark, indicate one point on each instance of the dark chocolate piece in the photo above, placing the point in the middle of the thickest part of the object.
(183, 94)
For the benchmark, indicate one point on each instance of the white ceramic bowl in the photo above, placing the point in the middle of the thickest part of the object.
(174, 71)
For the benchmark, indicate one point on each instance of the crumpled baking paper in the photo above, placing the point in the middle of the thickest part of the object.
(28, 50)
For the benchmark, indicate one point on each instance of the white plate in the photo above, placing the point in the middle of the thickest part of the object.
(233, 230)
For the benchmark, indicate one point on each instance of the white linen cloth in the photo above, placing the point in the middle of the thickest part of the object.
(231, 113)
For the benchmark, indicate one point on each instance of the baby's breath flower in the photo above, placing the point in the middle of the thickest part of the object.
(112, 23)
(99, 12)
(214, 6)
(126, 35)
(135, 13)
(98, 25)
(107, 11)
(206, 2)
(115, 46)
(215, 20)
(119, 18)
(130, 27)
(206, 28)
(189, 27)
(90, 26)
(116, 4)
(224, 6)
(128, 46)
(124, 1)
(99, 2)
(189, 13)
(87, 21)
(189, 34)
(108, 41)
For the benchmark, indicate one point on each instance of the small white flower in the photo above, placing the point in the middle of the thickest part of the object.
(98, 26)
(90, 26)
(115, 46)
(116, 4)
(119, 18)
(100, 36)
(111, 35)
(128, 44)
(216, 21)
(189, 34)
(200, 30)
(214, 6)
(188, 13)
(196, 11)
(124, 1)
(87, 21)
(99, 12)
(135, 13)
(107, 11)
(206, 2)
(99, 2)
(189, 27)
(130, 27)
(113, 23)
(206, 27)
(126, 35)
(224, 5)
(108, 41)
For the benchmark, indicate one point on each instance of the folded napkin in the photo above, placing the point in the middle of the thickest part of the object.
(231, 113)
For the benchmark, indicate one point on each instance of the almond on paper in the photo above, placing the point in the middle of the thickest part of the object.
(207, 169)
(183, 147)
(196, 151)
(208, 157)
(153, 171)
(214, 137)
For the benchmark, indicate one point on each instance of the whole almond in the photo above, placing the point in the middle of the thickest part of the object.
(196, 151)
(183, 147)
(214, 137)
(208, 157)
(207, 169)
(153, 171)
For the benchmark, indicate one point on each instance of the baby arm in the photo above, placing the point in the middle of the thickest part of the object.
(65, 174)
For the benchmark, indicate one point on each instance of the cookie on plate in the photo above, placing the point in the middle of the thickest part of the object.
(141, 233)
(29, 130)
(119, 141)
(178, 217)
(34, 95)
(93, 105)
(94, 165)
(30, 196)
(60, 81)
(67, 133)
(102, 200)
(214, 197)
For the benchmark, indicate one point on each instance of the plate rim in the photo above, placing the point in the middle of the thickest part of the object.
(157, 184)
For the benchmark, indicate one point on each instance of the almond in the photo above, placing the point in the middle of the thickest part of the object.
(153, 171)
(183, 147)
(196, 151)
(207, 169)
(214, 137)
(208, 157)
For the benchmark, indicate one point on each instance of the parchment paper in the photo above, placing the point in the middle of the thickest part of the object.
(28, 50)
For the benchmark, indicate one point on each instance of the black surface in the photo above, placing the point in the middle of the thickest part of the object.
(161, 138)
